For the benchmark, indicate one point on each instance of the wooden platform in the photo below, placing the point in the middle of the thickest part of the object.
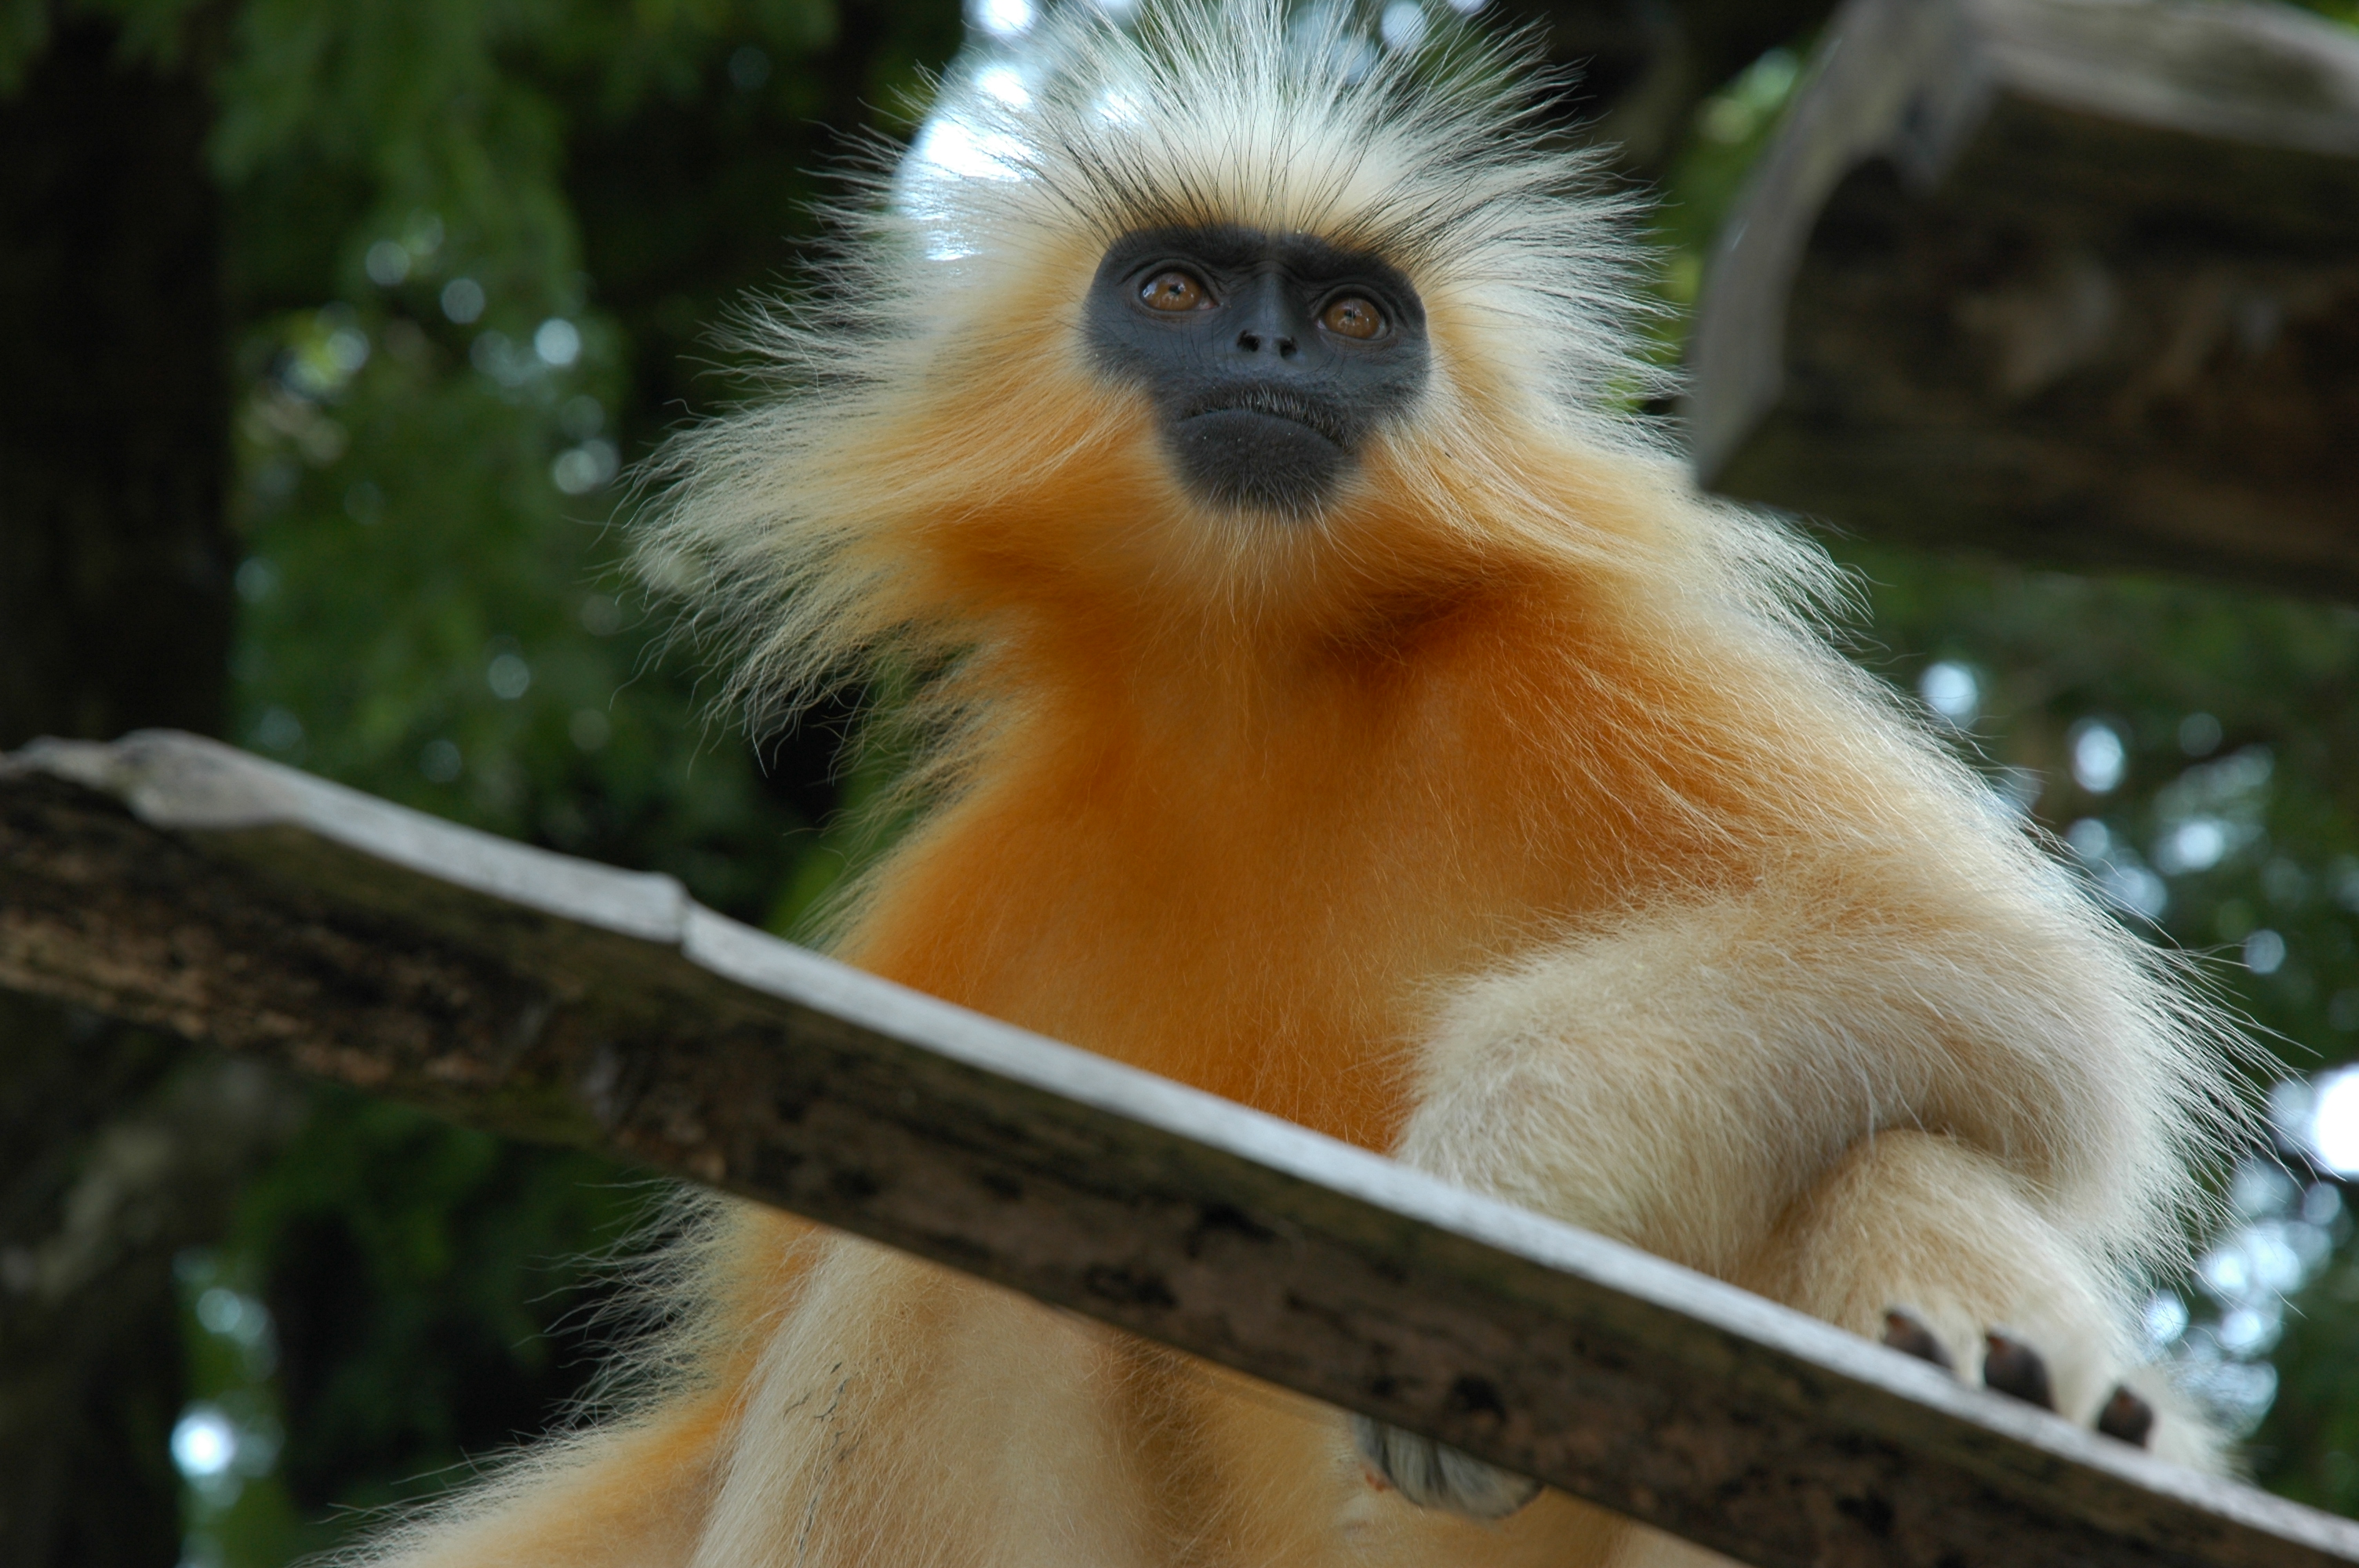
(2073, 281)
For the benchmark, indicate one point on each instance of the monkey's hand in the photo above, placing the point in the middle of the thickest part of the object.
(1436, 1475)
(2015, 1369)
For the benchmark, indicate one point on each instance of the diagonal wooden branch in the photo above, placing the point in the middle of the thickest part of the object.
(176, 883)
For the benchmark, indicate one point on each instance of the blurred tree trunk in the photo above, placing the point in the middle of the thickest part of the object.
(117, 1148)
(114, 601)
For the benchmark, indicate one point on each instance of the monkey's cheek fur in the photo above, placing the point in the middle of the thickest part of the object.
(1255, 461)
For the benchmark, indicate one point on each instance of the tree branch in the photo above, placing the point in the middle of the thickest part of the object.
(176, 883)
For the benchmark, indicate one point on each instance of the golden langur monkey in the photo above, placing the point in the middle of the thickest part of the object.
(1336, 701)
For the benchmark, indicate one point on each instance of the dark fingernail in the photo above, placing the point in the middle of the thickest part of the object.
(2015, 1369)
(2127, 1417)
(1904, 1333)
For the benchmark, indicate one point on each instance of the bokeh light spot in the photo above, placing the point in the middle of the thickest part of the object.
(388, 263)
(558, 343)
(1403, 25)
(2334, 1122)
(462, 300)
(1004, 19)
(508, 676)
(2099, 756)
(2195, 844)
(601, 616)
(1951, 690)
(258, 578)
(583, 469)
(279, 730)
(204, 1443)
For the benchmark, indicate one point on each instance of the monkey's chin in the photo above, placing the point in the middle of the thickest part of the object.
(1256, 461)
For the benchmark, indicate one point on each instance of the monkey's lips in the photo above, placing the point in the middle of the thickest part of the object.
(1243, 408)
(1261, 448)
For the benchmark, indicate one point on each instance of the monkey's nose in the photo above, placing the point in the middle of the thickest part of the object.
(1251, 342)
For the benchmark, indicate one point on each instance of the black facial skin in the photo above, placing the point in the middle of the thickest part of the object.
(1263, 403)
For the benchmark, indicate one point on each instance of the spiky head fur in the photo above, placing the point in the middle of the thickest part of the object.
(932, 400)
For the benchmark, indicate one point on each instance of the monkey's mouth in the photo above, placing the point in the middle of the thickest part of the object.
(1255, 403)
(1260, 448)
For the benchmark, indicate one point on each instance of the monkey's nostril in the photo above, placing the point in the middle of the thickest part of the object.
(1288, 347)
(1249, 341)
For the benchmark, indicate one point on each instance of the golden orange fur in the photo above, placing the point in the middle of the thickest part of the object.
(1508, 814)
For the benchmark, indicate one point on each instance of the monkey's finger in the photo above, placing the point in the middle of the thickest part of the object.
(1436, 1475)
(2015, 1369)
(2127, 1417)
(1906, 1333)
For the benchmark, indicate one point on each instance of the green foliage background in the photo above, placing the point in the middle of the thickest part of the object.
(430, 613)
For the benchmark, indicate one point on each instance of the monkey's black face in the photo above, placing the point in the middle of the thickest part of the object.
(1269, 358)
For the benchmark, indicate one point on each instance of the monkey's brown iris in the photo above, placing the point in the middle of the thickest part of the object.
(1174, 291)
(1352, 317)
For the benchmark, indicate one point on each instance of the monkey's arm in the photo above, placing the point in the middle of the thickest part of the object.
(1681, 1076)
(1848, 1091)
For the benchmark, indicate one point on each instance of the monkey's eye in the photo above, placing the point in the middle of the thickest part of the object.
(1353, 317)
(1175, 290)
